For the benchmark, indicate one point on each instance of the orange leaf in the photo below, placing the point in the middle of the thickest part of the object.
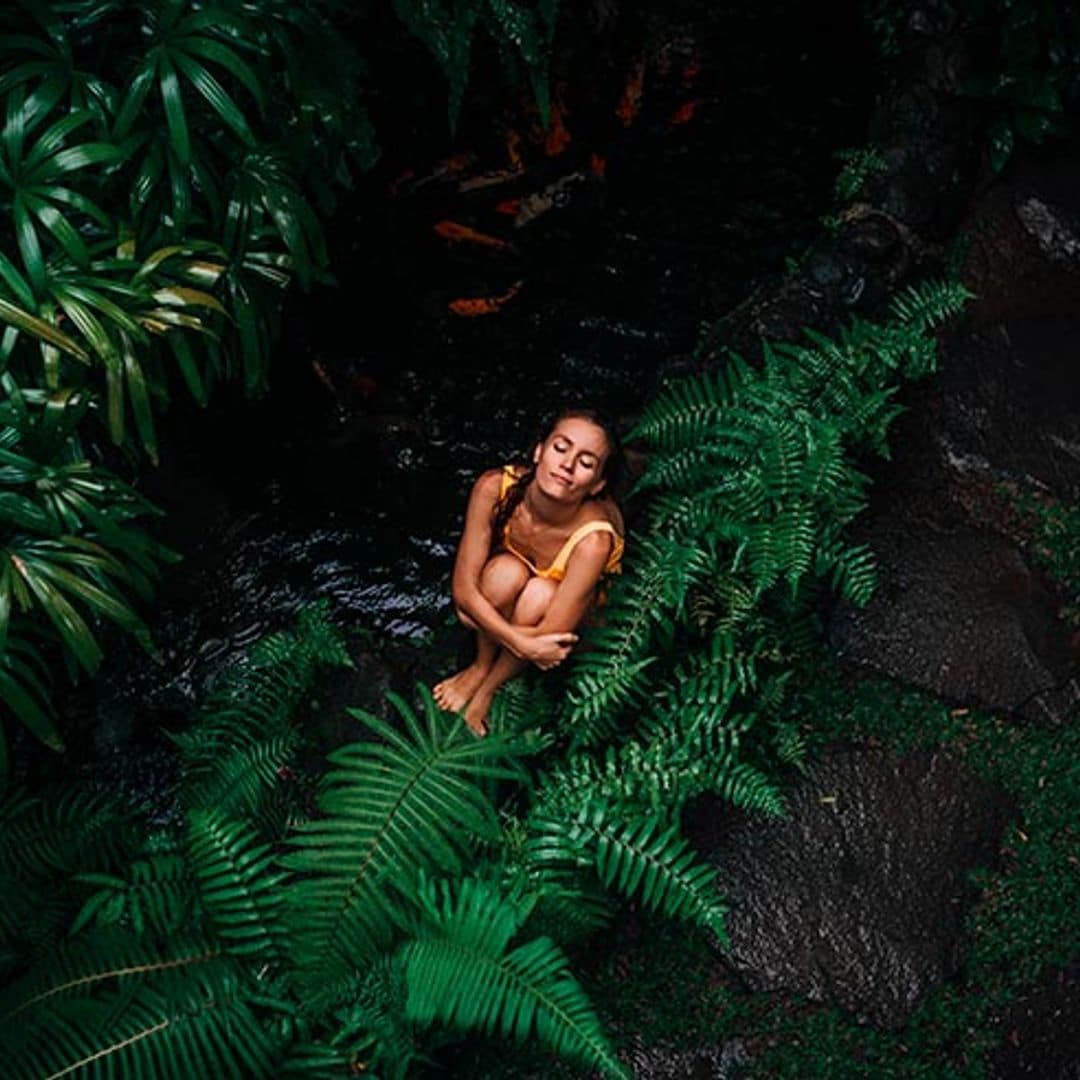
(454, 232)
(483, 305)
(683, 114)
(630, 102)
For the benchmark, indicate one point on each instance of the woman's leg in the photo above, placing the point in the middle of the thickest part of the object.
(531, 606)
(502, 581)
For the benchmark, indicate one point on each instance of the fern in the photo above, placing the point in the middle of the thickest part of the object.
(240, 889)
(373, 1026)
(641, 856)
(687, 410)
(393, 806)
(196, 1023)
(650, 859)
(108, 957)
(152, 895)
(459, 972)
(610, 674)
(234, 755)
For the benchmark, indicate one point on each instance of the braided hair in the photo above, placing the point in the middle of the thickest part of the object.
(612, 472)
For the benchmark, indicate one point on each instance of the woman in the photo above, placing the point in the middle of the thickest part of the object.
(537, 541)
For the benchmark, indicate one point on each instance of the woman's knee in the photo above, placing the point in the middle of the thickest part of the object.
(503, 579)
(534, 600)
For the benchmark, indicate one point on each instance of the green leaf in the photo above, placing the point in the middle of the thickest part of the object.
(175, 116)
(459, 973)
(215, 95)
(43, 330)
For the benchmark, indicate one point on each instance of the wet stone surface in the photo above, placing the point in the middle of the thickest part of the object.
(962, 609)
(960, 613)
(858, 897)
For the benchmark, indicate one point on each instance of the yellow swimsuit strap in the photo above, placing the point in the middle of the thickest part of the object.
(557, 570)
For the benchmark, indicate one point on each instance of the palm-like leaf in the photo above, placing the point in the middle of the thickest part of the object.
(189, 50)
(35, 182)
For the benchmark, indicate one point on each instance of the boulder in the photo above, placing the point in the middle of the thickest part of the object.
(858, 896)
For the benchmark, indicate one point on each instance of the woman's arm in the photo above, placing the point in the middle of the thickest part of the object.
(576, 593)
(472, 555)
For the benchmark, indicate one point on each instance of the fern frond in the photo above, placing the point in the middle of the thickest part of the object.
(930, 303)
(244, 772)
(402, 802)
(106, 957)
(68, 831)
(642, 855)
(155, 894)
(234, 754)
(854, 573)
(686, 410)
(609, 674)
(460, 974)
(650, 859)
(196, 1023)
(598, 696)
(240, 890)
(747, 788)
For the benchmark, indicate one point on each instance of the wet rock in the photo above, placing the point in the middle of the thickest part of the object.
(960, 613)
(858, 897)
(724, 1062)
(961, 607)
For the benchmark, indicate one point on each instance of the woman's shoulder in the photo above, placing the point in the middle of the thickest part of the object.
(487, 486)
(604, 509)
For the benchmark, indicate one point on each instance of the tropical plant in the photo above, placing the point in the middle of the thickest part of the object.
(329, 933)
(163, 166)
(522, 31)
(378, 918)
(753, 479)
(1024, 61)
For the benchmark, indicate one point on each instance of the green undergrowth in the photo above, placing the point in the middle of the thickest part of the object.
(664, 985)
(669, 989)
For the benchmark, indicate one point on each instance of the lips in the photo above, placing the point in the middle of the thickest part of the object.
(561, 479)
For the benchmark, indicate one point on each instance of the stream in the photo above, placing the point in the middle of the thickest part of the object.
(348, 480)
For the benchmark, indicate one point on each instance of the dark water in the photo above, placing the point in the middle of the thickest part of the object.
(349, 480)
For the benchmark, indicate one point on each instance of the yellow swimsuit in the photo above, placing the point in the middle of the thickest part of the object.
(557, 570)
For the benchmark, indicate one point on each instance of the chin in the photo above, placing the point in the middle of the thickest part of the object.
(562, 492)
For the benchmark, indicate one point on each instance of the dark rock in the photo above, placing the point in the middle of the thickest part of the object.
(858, 896)
(961, 608)
(962, 614)
(723, 1062)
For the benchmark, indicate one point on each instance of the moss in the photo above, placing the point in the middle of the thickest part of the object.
(1026, 921)
(664, 984)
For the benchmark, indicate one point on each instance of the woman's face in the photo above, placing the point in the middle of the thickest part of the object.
(570, 461)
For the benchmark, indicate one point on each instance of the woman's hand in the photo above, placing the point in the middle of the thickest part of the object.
(546, 650)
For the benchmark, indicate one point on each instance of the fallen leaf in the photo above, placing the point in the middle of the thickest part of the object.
(454, 232)
(470, 307)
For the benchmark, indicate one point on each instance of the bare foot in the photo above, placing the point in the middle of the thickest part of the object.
(477, 713)
(454, 694)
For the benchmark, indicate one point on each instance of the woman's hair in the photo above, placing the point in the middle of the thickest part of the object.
(612, 472)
